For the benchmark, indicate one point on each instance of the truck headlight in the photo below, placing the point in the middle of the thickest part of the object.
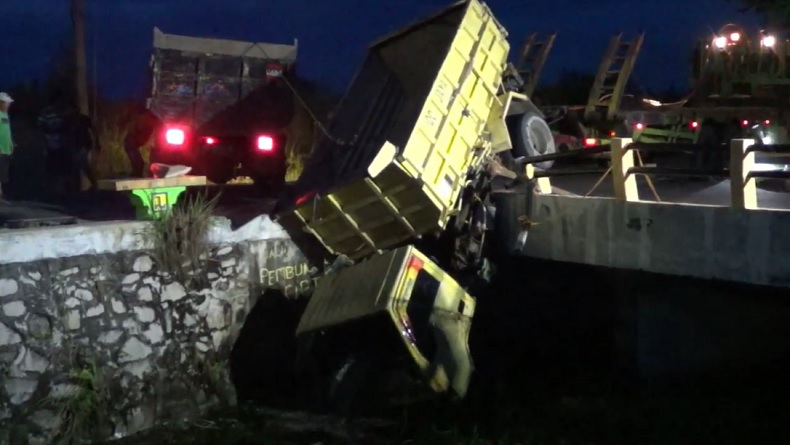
(768, 42)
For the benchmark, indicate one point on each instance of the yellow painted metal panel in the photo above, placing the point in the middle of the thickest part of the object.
(441, 133)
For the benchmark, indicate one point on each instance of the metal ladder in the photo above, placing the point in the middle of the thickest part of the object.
(613, 74)
(531, 60)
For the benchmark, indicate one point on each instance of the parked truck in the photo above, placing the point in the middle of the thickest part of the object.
(222, 106)
(401, 193)
(739, 85)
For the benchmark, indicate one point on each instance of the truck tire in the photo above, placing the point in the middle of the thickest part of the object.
(531, 136)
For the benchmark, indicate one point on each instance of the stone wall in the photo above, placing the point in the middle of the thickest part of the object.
(111, 329)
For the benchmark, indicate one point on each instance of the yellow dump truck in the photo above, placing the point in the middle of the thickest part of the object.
(409, 160)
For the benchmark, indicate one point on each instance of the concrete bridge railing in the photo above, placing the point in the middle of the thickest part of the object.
(626, 165)
(743, 174)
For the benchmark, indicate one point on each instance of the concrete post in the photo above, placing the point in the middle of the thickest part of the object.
(743, 190)
(625, 188)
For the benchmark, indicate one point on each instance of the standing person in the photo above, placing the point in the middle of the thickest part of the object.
(84, 144)
(6, 141)
(53, 122)
(137, 137)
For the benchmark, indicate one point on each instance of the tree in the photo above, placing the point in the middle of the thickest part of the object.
(80, 62)
(774, 12)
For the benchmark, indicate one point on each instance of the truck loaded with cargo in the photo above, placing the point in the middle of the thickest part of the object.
(222, 106)
(739, 89)
(399, 197)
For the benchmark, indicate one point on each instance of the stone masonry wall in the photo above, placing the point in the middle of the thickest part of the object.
(109, 340)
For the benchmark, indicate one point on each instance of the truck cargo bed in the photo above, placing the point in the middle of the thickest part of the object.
(220, 85)
(405, 135)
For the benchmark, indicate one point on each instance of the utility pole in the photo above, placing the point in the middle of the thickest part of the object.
(80, 62)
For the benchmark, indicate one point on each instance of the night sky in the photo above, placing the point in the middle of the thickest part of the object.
(333, 34)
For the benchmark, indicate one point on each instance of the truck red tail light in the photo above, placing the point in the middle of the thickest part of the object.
(265, 143)
(175, 136)
(590, 142)
(694, 125)
(209, 140)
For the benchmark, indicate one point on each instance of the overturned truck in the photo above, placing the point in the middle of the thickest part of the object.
(399, 195)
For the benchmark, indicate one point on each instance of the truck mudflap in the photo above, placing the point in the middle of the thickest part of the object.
(413, 125)
(408, 300)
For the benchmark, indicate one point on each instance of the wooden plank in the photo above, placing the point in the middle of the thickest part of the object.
(150, 183)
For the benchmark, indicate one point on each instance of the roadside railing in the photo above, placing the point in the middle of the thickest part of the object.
(627, 164)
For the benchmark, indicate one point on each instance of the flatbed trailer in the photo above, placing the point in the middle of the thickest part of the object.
(740, 90)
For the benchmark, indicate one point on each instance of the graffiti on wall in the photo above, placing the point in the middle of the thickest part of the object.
(282, 265)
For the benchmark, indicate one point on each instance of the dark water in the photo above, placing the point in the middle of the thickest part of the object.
(548, 372)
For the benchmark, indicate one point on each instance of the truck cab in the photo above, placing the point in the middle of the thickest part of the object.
(402, 330)
(222, 106)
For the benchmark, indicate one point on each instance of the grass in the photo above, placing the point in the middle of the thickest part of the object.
(179, 238)
(83, 410)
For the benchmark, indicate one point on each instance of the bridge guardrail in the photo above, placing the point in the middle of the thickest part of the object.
(743, 174)
(626, 164)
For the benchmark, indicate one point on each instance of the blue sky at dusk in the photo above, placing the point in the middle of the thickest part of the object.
(333, 34)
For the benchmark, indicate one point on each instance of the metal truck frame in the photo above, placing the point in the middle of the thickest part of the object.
(223, 106)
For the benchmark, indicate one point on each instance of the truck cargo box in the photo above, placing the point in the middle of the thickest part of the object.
(221, 86)
(405, 135)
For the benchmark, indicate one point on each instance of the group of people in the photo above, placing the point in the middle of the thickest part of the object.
(70, 141)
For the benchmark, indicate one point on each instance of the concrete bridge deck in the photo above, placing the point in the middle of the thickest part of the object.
(693, 231)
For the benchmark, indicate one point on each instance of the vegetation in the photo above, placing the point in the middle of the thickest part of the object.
(179, 238)
(519, 419)
(774, 12)
(113, 122)
(85, 406)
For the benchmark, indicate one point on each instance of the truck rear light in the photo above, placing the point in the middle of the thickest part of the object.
(694, 125)
(210, 140)
(175, 136)
(639, 126)
(265, 143)
(415, 264)
(590, 142)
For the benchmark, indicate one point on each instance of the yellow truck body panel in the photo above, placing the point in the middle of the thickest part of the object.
(388, 284)
(412, 125)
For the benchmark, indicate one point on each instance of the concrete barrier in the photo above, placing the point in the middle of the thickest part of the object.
(89, 300)
(748, 246)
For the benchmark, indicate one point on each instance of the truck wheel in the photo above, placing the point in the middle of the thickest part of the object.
(531, 136)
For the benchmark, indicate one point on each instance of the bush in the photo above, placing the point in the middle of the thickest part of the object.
(113, 122)
(179, 238)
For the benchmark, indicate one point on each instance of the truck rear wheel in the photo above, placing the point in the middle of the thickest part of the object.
(531, 136)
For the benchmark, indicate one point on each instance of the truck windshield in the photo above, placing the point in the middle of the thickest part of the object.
(419, 310)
